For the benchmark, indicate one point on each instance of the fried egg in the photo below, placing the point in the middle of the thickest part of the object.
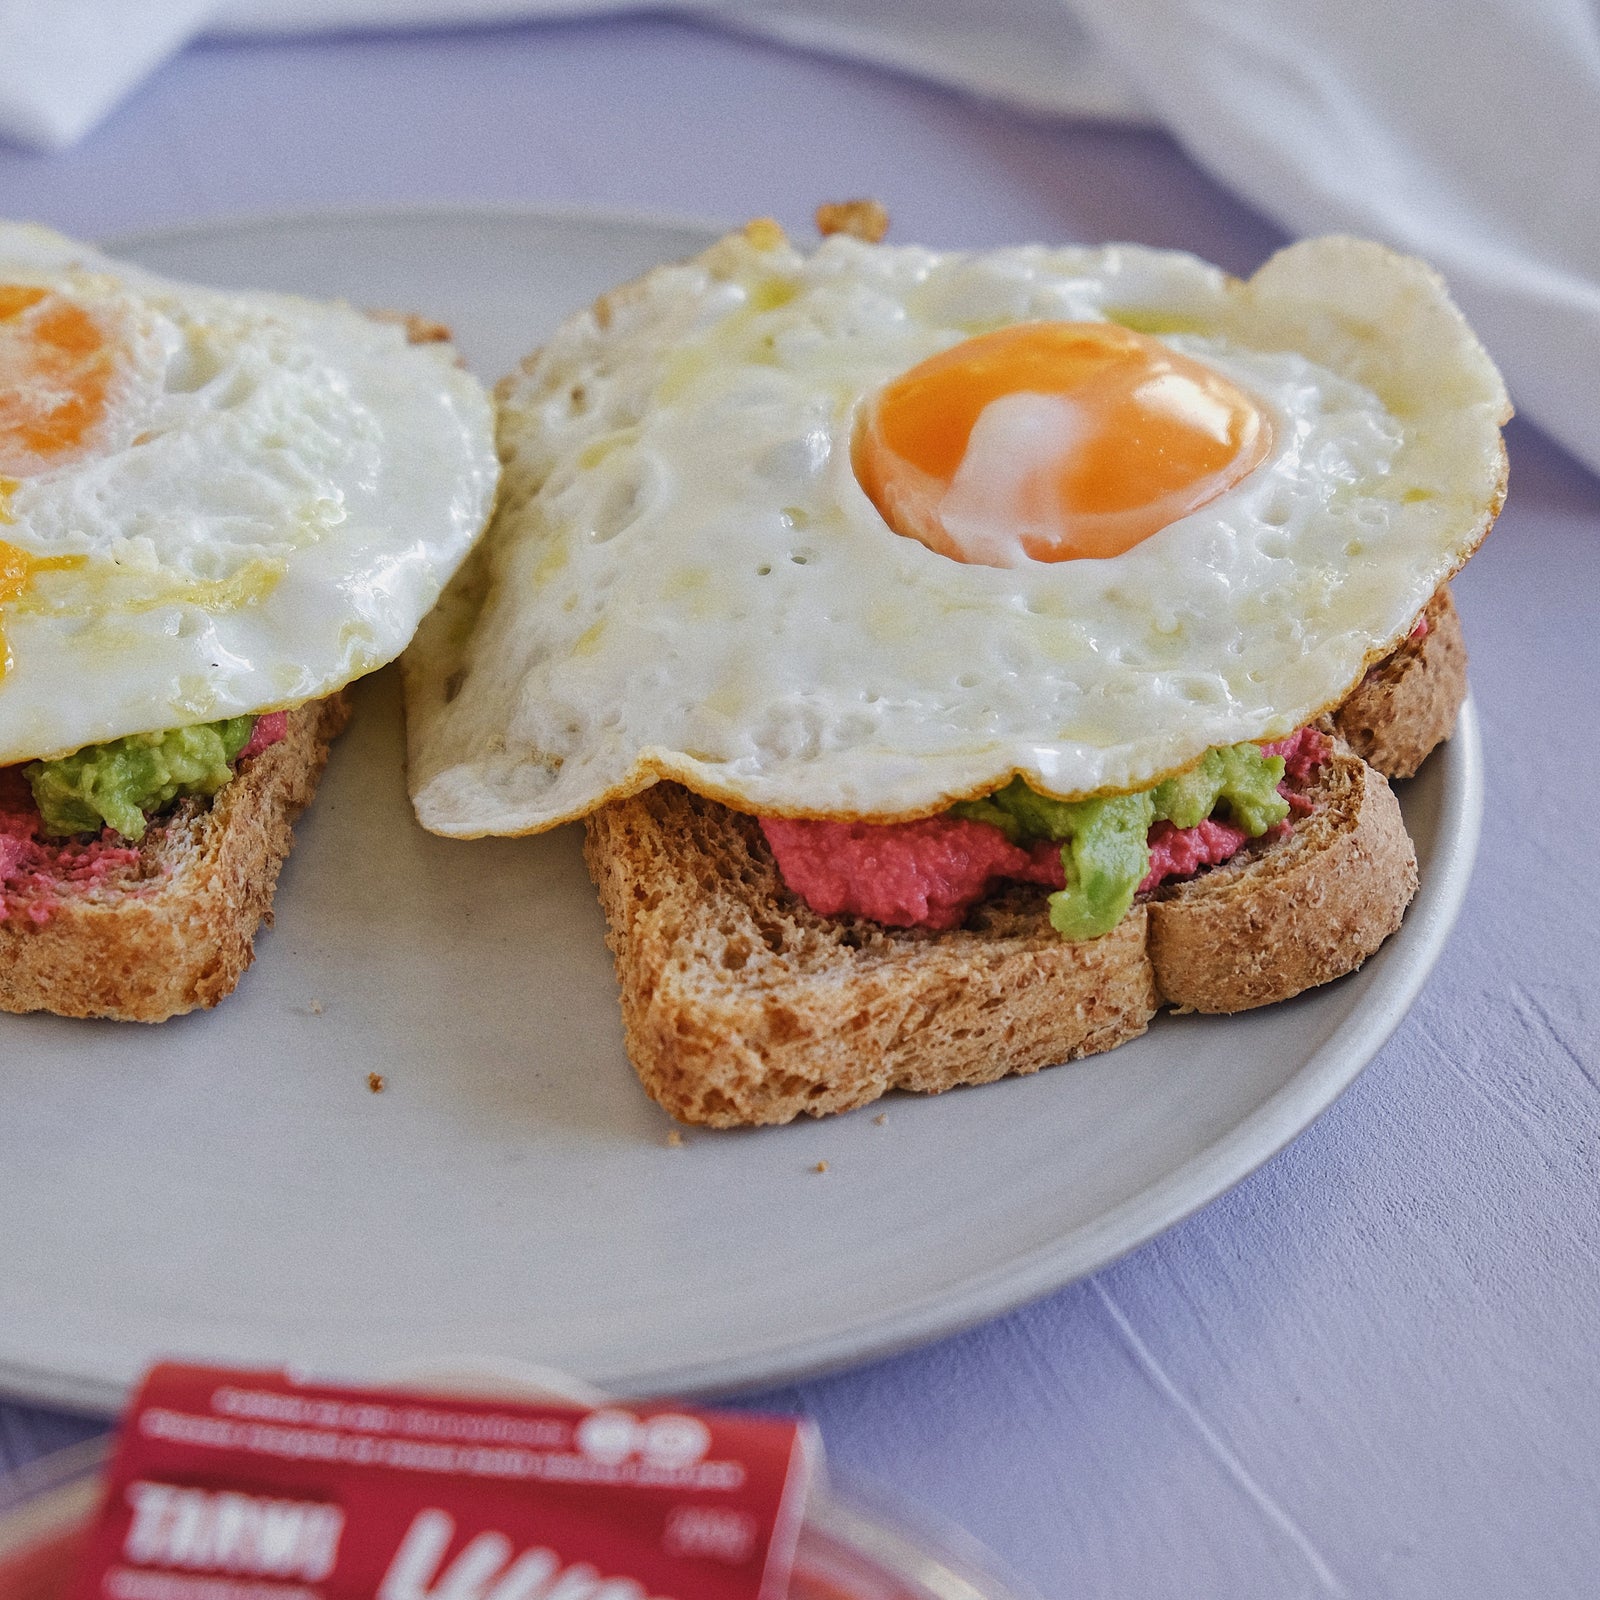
(211, 504)
(860, 532)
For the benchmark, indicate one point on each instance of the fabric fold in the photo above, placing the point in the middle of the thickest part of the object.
(1466, 134)
(66, 64)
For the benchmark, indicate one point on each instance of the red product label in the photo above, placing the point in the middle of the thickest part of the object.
(234, 1485)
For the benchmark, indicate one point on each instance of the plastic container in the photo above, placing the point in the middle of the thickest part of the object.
(854, 1545)
(44, 1507)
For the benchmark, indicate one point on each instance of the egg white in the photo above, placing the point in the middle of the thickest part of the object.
(278, 494)
(686, 580)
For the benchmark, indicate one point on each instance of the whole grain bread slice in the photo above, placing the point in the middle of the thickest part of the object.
(1408, 703)
(741, 1005)
(1284, 915)
(175, 931)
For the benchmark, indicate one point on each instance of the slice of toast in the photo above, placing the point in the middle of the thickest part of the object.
(740, 1005)
(175, 931)
(1285, 915)
(1407, 704)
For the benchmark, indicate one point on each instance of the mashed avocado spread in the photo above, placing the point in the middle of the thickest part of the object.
(1104, 852)
(123, 781)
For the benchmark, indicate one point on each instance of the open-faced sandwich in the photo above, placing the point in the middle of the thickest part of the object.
(957, 657)
(215, 511)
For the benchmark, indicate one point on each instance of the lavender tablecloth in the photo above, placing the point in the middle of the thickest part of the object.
(1371, 1369)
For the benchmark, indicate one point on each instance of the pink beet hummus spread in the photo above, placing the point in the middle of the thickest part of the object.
(925, 874)
(930, 873)
(270, 729)
(38, 873)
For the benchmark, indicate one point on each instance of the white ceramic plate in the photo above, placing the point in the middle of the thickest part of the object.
(226, 1186)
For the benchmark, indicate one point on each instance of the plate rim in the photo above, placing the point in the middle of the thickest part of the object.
(417, 211)
(1227, 1161)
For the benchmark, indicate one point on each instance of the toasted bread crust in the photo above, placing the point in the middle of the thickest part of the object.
(741, 1005)
(178, 934)
(1408, 704)
(417, 329)
(1283, 916)
(861, 219)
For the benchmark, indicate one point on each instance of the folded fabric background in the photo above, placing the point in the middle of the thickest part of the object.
(1467, 132)
(65, 63)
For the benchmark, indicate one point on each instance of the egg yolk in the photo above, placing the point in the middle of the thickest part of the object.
(56, 369)
(1053, 440)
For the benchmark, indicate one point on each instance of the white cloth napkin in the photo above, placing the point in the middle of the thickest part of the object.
(65, 63)
(1031, 53)
(1466, 131)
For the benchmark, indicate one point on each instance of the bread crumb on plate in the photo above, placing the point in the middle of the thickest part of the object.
(861, 219)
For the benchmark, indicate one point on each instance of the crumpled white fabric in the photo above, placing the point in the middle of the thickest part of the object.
(1465, 131)
(1031, 53)
(65, 63)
